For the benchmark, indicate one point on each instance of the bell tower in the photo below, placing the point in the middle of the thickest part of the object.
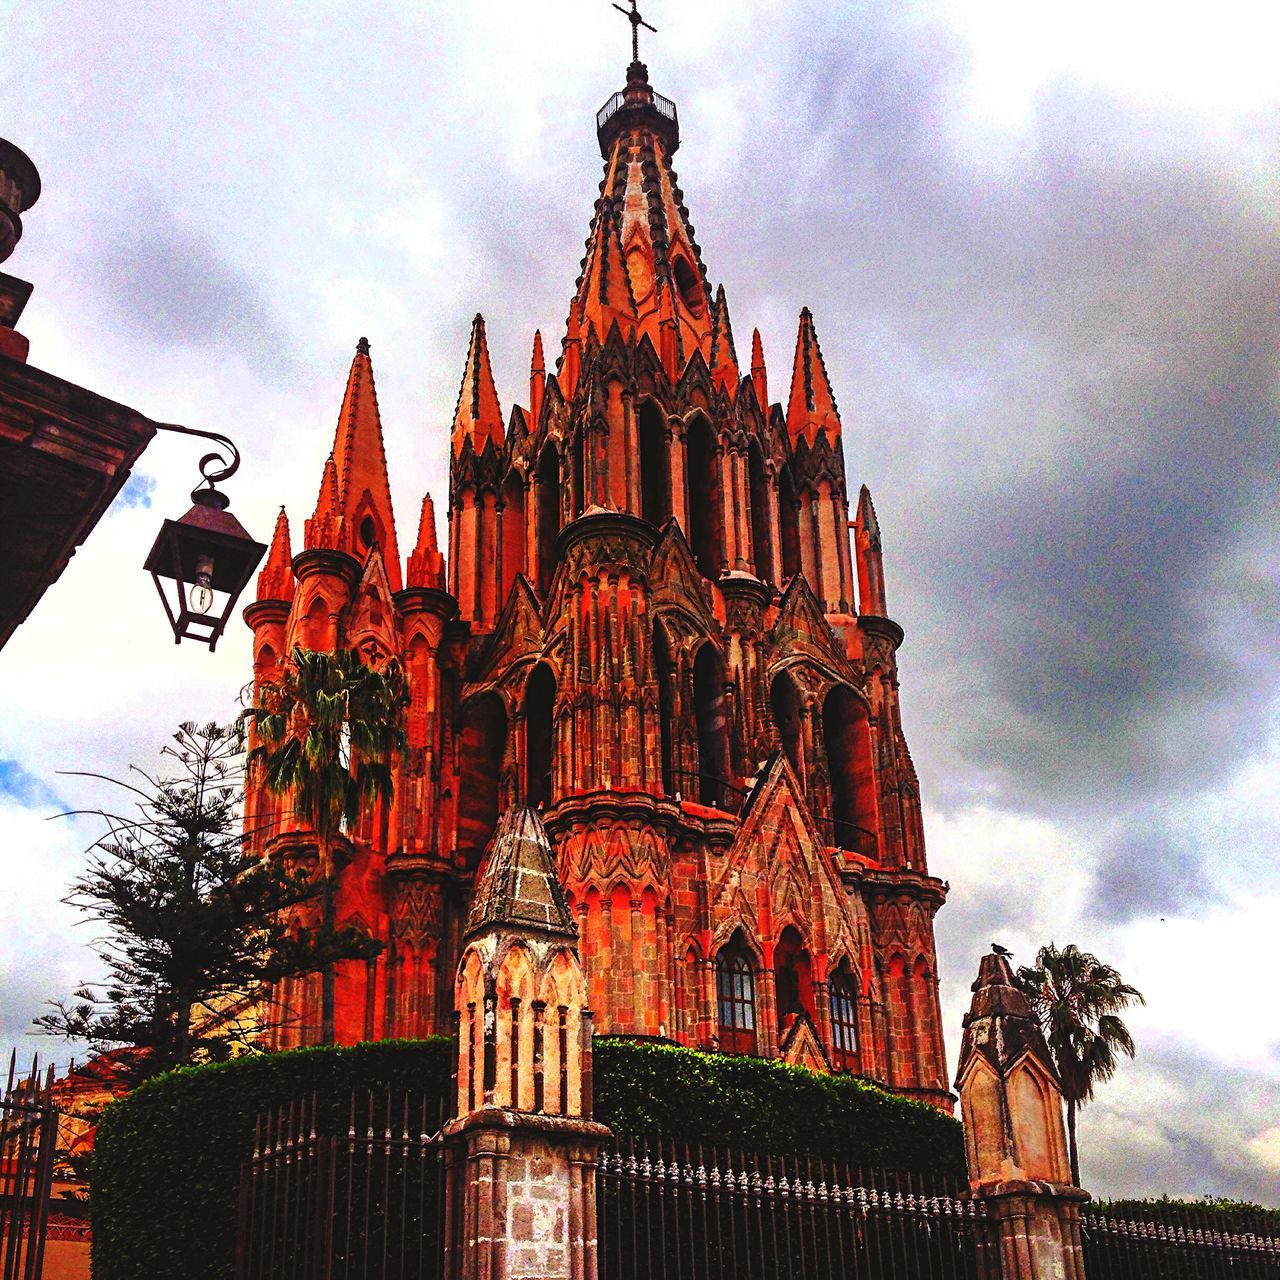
(651, 631)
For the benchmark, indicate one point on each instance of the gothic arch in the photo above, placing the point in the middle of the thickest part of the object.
(655, 480)
(761, 514)
(786, 703)
(548, 514)
(711, 715)
(704, 498)
(846, 734)
(481, 750)
(539, 729)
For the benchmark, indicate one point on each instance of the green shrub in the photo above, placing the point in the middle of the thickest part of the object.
(754, 1104)
(167, 1163)
(1223, 1215)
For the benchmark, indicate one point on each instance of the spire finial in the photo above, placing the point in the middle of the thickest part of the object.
(362, 347)
(633, 16)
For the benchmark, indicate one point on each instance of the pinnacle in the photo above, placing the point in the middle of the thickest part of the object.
(478, 414)
(812, 408)
(538, 364)
(426, 564)
(276, 581)
(724, 356)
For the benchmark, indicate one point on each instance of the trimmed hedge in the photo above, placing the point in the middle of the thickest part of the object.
(165, 1175)
(755, 1104)
(166, 1165)
(1225, 1215)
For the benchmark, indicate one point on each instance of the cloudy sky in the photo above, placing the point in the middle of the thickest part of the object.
(1042, 247)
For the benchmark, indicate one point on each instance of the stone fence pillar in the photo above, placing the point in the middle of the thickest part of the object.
(1015, 1140)
(521, 1149)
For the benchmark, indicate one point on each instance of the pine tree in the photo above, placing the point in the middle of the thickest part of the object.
(195, 924)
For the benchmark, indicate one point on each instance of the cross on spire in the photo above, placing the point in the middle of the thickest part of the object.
(633, 16)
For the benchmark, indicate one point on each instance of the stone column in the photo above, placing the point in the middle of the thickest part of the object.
(521, 1182)
(1015, 1140)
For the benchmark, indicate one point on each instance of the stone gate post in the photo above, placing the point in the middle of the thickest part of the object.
(521, 1149)
(1015, 1140)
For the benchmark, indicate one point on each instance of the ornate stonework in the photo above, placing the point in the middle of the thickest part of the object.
(650, 627)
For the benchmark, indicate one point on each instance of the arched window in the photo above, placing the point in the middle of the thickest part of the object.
(704, 498)
(784, 698)
(539, 729)
(665, 670)
(579, 471)
(655, 498)
(711, 711)
(761, 525)
(513, 530)
(736, 997)
(484, 742)
(844, 1018)
(793, 973)
(847, 734)
(548, 514)
(789, 521)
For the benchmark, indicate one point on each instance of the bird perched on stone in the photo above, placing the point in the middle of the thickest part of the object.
(1001, 951)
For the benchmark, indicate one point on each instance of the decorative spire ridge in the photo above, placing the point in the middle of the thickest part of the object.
(812, 408)
(426, 564)
(759, 376)
(478, 414)
(537, 381)
(276, 581)
(867, 518)
(324, 529)
(605, 294)
(360, 501)
(724, 357)
(517, 885)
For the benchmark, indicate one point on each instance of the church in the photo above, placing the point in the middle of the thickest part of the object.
(657, 626)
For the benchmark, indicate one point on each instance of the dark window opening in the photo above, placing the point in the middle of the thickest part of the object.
(691, 291)
(704, 499)
(711, 711)
(655, 500)
(761, 532)
(368, 533)
(784, 698)
(789, 522)
(539, 710)
(736, 997)
(665, 670)
(793, 975)
(484, 742)
(847, 735)
(548, 515)
(579, 472)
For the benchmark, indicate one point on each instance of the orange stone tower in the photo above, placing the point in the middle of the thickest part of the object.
(651, 626)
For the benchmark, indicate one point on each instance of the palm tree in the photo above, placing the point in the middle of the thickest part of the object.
(1078, 1000)
(327, 733)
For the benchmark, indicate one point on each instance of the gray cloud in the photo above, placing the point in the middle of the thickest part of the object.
(167, 284)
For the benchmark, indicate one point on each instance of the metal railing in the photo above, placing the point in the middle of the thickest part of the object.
(28, 1142)
(317, 1205)
(671, 1211)
(1178, 1242)
(706, 789)
(664, 107)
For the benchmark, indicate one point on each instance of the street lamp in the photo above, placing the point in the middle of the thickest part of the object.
(207, 557)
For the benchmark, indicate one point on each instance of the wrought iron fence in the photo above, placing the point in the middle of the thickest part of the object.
(705, 788)
(366, 1203)
(1178, 1242)
(666, 1209)
(28, 1141)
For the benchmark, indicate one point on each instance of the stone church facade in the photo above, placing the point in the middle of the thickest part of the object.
(653, 625)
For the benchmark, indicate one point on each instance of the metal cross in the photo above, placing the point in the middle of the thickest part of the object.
(633, 17)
